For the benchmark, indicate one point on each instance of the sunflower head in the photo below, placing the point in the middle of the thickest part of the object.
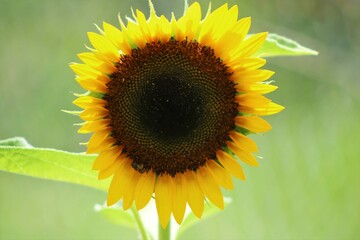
(169, 105)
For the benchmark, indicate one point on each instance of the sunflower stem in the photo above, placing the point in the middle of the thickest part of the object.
(140, 224)
(164, 233)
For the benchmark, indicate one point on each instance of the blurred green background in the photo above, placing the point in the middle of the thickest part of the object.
(308, 184)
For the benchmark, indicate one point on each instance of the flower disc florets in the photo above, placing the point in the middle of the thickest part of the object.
(172, 105)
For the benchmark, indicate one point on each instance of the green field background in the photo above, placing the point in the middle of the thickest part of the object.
(308, 182)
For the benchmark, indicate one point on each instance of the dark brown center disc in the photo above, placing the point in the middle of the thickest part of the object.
(171, 106)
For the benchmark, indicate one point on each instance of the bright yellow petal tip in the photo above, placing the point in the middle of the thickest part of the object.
(163, 189)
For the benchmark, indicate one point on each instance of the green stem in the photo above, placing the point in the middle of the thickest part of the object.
(140, 224)
(164, 234)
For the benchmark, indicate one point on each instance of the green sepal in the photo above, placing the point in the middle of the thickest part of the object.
(91, 94)
(99, 29)
(72, 112)
(242, 130)
(186, 6)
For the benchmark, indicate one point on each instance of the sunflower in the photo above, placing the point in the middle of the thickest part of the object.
(170, 103)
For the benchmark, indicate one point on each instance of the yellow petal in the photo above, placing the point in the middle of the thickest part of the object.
(179, 199)
(143, 25)
(114, 193)
(254, 76)
(217, 24)
(160, 29)
(187, 26)
(144, 189)
(230, 164)
(231, 40)
(163, 29)
(251, 100)
(107, 143)
(94, 113)
(85, 71)
(159, 26)
(195, 196)
(92, 84)
(247, 64)
(97, 138)
(93, 61)
(107, 158)
(242, 26)
(209, 24)
(267, 109)
(116, 188)
(243, 142)
(105, 173)
(117, 38)
(258, 88)
(152, 30)
(251, 45)
(130, 179)
(104, 46)
(163, 198)
(134, 35)
(210, 187)
(221, 176)
(252, 123)
(244, 156)
(93, 126)
(225, 44)
(88, 101)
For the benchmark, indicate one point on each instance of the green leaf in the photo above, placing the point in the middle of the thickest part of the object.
(191, 219)
(17, 157)
(117, 215)
(276, 45)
